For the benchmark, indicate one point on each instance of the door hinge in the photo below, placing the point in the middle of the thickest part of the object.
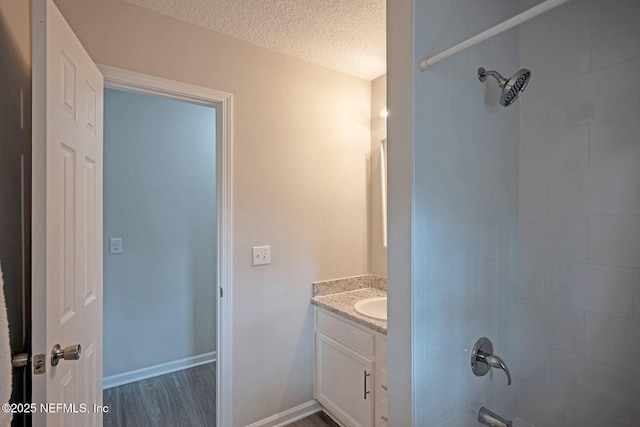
(220, 292)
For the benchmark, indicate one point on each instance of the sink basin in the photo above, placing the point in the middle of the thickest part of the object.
(376, 308)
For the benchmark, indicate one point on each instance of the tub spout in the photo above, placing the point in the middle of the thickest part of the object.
(492, 419)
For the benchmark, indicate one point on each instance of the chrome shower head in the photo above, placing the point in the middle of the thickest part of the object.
(511, 88)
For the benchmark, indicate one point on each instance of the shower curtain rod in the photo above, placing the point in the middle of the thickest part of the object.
(493, 31)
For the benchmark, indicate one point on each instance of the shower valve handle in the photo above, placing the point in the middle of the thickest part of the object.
(495, 362)
(483, 359)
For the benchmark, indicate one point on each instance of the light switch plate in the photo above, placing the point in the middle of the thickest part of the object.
(261, 255)
(115, 245)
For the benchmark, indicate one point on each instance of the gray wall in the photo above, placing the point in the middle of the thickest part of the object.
(159, 196)
(579, 223)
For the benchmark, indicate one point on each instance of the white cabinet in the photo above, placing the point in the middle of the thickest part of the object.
(350, 371)
(343, 382)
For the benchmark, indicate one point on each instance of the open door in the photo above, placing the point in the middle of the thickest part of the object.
(67, 225)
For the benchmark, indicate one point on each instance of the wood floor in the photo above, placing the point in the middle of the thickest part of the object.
(181, 399)
(316, 420)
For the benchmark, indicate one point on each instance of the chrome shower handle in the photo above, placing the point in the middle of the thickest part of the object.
(495, 362)
(483, 359)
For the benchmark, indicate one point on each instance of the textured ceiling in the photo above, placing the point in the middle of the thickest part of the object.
(345, 35)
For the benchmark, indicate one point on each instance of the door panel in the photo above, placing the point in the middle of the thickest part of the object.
(67, 263)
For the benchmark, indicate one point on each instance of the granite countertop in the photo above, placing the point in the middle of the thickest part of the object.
(342, 304)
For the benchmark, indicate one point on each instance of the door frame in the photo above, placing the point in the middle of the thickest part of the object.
(116, 78)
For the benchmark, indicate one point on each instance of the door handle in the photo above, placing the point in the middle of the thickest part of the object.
(68, 353)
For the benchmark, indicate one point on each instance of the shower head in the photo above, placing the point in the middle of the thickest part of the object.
(511, 88)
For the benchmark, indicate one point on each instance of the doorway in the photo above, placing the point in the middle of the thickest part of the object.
(159, 260)
(222, 103)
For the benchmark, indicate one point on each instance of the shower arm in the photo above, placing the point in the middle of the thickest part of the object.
(482, 75)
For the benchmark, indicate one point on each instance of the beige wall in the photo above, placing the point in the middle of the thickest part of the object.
(16, 16)
(302, 141)
(377, 251)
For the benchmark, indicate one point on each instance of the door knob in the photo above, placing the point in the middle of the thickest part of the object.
(68, 353)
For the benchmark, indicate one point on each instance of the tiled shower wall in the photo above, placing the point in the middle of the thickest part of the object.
(465, 212)
(579, 216)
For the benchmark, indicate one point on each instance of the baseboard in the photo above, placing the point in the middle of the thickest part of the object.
(157, 370)
(290, 415)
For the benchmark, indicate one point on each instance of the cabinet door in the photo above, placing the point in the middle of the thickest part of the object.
(344, 382)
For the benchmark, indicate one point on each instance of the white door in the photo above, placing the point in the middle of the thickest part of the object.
(67, 220)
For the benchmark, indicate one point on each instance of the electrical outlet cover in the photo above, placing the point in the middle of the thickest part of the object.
(261, 255)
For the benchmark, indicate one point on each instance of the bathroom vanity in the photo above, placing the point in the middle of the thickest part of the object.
(350, 371)
(350, 378)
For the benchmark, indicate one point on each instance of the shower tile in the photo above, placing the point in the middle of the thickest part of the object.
(533, 266)
(568, 148)
(636, 400)
(468, 389)
(435, 84)
(465, 418)
(535, 107)
(452, 334)
(613, 341)
(534, 232)
(611, 190)
(595, 191)
(603, 8)
(569, 16)
(534, 47)
(616, 38)
(532, 321)
(446, 292)
(609, 290)
(569, 53)
(559, 237)
(542, 407)
(564, 328)
(568, 237)
(615, 143)
(535, 151)
(597, 288)
(594, 384)
(538, 406)
(435, 400)
(531, 362)
(606, 96)
(636, 295)
(503, 400)
(520, 423)
(533, 194)
(614, 240)
(465, 92)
